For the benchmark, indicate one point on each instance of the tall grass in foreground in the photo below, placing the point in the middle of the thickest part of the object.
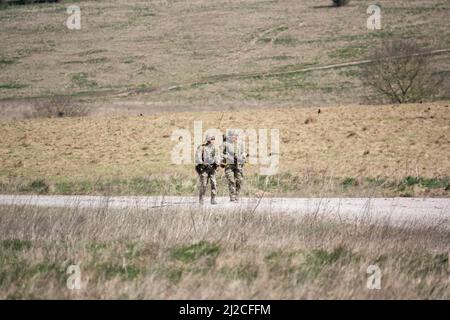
(178, 253)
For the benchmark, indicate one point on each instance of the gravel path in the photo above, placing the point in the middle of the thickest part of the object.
(430, 211)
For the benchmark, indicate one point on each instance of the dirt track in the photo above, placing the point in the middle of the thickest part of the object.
(427, 211)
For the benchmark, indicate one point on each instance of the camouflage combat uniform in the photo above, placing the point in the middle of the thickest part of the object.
(207, 160)
(233, 161)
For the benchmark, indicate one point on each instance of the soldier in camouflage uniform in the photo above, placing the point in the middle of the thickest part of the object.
(207, 161)
(233, 161)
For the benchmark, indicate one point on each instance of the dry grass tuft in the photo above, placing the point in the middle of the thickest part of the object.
(172, 253)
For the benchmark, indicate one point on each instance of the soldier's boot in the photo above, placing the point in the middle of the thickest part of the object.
(201, 196)
(232, 193)
(202, 191)
(238, 189)
(213, 199)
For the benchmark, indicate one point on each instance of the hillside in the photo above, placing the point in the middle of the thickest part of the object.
(131, 56)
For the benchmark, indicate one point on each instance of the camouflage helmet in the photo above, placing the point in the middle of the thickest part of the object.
(231, 133)
(209, 137)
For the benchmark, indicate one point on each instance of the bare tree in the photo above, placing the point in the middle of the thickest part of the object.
(58, 107)
(401, 72)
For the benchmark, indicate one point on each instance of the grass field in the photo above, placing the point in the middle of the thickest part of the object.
(229, 59)
(353, 150)
(170, 253)
(129, 54)
(147, 68)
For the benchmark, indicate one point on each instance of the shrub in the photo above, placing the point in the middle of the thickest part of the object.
(195, 251)
(349, 182)
(40, 186)
(58, 107)
(401, 72)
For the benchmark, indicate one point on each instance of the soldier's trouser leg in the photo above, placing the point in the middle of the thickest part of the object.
(203, 177)
(238, 178)
(212, 179)
(229, 174)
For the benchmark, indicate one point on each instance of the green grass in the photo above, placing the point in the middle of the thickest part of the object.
(278, 58)
(137, 185)
(38, 186)
(285, 41)
(15, 244)
(11, 86)
(195, 251)
(97, 246)
(134, 254)
(82, 80)
(246, 272)
(297, 66)
(173, 274)
(349, 52)
(109, 271)
(350, 72)
(127, 61)
(91, 52)
(349, 182)
(319, 258)
(382, 34)
(303, 265)
(281, 262)
(92, 61)
(419, 265)
(282, 86)
(278, 185)
(419, 10)
(4, 61)
(264, 40)
(430, 183)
